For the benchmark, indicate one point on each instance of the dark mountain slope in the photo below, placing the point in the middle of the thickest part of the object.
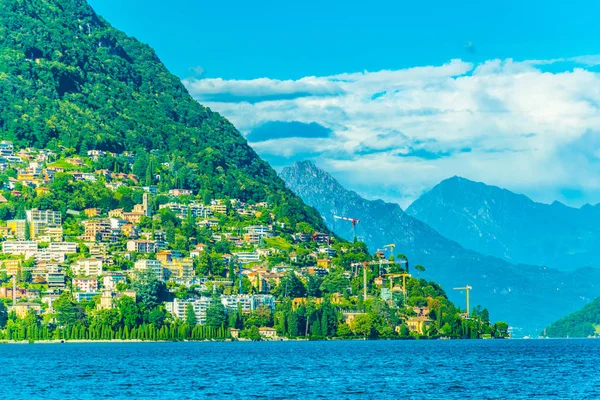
(529, 297)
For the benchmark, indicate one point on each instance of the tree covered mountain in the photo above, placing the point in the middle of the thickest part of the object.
(581, 323)
(529, 297)
(500, 223)
(70, 80)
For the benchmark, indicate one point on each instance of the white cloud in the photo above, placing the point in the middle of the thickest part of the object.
(400, 132)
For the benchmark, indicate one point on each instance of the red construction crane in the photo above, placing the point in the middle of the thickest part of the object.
(353, 220)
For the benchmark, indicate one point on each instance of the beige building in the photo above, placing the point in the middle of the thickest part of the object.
(267, 332)
(22, 309)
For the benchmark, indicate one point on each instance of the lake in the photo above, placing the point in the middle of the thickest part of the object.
(492, 369)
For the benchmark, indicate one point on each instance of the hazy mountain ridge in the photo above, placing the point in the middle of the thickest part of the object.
(498, 222)
(527, 296)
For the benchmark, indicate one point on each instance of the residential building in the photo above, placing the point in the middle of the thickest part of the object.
(44, 232)
(11, 266)
(7, 149)
(301, 237)
(22, 309)
(152, 265)
(55, 277)
(180, 192)
(63, 247)
(197, 210)
(166, 256)
(92, 212)
(418, 324)
(17, 227)
(267, 333)
(47, 216)
(22, 247)
(247, 302)
(47, 256)
(85, 284)
(87, 267)
(177, 307)
(141, 246)
(247, 257)
(200, 248)
(85, 296)
(180, 268)
(320, 238)
(328, 251)
(99, 229)
(111, 279)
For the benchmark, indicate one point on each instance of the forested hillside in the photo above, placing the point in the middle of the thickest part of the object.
(70, 80)
(582, 323)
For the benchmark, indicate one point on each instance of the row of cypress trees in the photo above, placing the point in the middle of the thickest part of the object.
(172, 332)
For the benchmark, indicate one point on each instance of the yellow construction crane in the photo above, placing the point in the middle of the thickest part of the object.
(466, 289)
(364, 265)
(402, 275)
(390, 246)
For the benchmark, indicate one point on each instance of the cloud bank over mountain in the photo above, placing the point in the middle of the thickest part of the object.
(530, 126)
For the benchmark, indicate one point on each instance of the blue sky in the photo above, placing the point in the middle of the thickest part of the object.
(396, 96)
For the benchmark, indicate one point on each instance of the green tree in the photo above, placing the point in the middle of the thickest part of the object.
(148, 289)
(363, 325)
(130, 313)
(68, 313)
(215, 313)
(190, 315)
(292, 324)
(3, 315)
(291, 286)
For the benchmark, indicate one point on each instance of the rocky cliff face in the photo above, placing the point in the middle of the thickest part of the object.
(503, 224)
(528, 297)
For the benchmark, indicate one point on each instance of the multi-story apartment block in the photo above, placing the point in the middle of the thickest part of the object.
(22, 247)
(100, 230)
(85, 284)
(48, 216)
(141, 246)
(152, 265)
(87, 267)
(63, 247)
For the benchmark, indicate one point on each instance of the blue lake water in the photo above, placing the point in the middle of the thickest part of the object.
(492, 369)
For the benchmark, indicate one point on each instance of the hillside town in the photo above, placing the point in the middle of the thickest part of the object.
(94, 231)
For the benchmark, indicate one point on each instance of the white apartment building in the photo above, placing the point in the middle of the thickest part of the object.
(63, 247)
(87, 267)
(47, 216)
(16, 247)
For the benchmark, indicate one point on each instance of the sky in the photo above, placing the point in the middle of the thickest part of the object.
(392, 97)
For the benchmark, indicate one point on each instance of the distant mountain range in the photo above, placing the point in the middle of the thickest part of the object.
(528, 297)
(500, 223)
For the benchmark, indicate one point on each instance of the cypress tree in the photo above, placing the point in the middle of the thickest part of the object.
(293, 324)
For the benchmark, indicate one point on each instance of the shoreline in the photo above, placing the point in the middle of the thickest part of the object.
(79, 341)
